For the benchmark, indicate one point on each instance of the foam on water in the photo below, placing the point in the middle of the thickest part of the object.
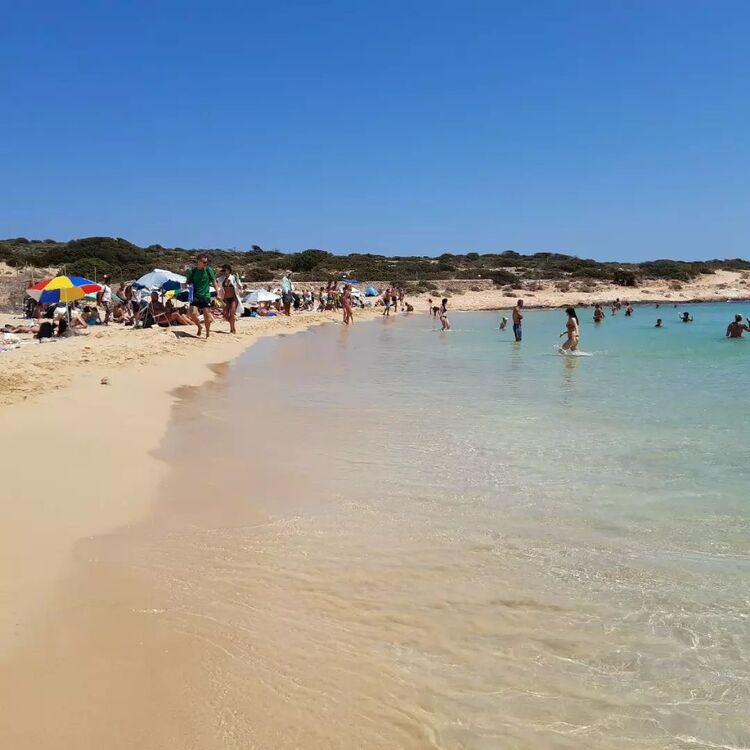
(469, 543)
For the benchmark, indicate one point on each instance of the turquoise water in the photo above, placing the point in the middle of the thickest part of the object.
(469, 543)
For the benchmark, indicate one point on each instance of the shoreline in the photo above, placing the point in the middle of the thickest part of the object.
(81, 455)
(35, 369)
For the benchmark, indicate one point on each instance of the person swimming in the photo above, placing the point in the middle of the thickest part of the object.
(503, 323)
(686, 317)
(736, 328)
(658, 323)
(572, 330)
(598, 313)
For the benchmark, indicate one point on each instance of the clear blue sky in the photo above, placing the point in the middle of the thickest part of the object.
(605, 129)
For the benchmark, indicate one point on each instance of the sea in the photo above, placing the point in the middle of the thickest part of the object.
(388, 536)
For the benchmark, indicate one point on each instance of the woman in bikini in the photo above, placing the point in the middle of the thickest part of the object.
(347, 305)
(444, 322)
(572, 331)
(231, 296)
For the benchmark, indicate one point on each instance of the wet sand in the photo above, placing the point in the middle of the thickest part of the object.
(146, 639)
(79, 638)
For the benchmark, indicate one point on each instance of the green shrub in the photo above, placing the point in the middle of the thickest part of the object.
(624, 277)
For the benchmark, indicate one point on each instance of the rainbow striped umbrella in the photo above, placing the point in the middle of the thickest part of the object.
(62, 289)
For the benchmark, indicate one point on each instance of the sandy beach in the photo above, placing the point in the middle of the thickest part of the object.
(36, 369)
(71, 444)
(717, 287)
(81, 421)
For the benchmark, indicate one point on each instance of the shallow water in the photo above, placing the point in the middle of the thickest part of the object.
(393, 537)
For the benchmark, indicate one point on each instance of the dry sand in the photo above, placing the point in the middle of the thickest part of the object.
(717, 287)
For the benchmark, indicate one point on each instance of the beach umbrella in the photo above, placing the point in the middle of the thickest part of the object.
(62, 289)
(259, 296)
(160, 279)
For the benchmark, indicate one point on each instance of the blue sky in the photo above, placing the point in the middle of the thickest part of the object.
(612, 130)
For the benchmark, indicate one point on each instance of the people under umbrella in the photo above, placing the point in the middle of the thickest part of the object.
(203, 297)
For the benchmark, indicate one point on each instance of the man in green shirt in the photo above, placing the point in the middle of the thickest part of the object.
(202, 277)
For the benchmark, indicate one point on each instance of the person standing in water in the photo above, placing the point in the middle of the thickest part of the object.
(444, 322)
(503, 323)
(387, 302)
(572, 331)
(598, 313)
(517, 319)
(658, 323)
(736, 328)
(686, 317)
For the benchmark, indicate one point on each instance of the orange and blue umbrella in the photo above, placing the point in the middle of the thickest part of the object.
(62, 289)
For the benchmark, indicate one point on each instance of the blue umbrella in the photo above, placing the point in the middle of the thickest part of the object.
(160, 279)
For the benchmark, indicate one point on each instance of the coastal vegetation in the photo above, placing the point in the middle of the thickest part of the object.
(123, 260)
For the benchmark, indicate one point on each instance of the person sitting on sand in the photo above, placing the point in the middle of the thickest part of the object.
(90, 316)
(686, 317)
(598, 313)
(736, 328)
(77, 321)
(572, 331)
(444, 322)
(46, 331)
(409, 308)
(658, 323)
(175, 316)
(120, 313)
(155, 313)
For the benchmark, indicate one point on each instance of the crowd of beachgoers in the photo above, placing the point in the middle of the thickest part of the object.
(206, 295)
(200, 298)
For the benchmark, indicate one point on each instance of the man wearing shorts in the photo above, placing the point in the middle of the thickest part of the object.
(517, 318)
(202, 277)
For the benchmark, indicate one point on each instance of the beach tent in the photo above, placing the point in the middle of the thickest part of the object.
(259, 296)
(160, 279)
(371, 292)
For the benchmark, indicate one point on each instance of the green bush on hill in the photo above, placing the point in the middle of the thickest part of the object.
(123, 260)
